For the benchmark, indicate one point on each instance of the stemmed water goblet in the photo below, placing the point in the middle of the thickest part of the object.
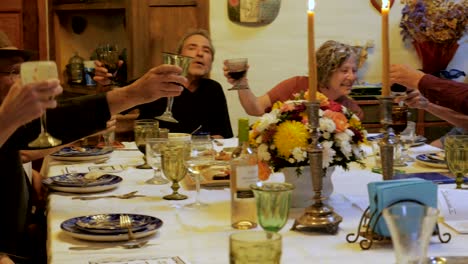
(202, 156)
(184, 63)
(174, 157)
(407, 138)
(33, 71)
(145, 128)
(154, 147)
(399, 123)
(237, 69)
(108, 54)
(456, 156)
(273, 201)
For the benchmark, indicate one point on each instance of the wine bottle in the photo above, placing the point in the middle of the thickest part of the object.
(244, 171)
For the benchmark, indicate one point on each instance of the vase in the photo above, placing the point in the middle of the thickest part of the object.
(435, 56)
(302, 195)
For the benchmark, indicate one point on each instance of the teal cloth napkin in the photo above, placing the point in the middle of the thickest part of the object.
(386, 193)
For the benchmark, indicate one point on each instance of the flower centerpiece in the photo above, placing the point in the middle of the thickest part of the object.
(283, 135)
(434, 28)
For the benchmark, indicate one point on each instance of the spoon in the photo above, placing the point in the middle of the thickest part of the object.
(121, 196)
(125, 246)
(196, 129)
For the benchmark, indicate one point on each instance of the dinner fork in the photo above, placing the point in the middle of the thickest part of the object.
(126, 222)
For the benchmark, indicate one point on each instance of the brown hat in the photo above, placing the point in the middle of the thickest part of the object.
(8, 50)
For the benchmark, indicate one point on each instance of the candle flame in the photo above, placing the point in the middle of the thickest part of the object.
(385, 4)
(311, 5)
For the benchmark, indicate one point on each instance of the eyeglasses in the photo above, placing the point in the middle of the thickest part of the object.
(11, 73)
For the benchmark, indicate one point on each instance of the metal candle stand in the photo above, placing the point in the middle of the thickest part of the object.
(367, 226)
(317, 217)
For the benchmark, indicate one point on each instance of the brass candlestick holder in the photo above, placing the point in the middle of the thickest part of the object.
(386, 145)
(318, 216)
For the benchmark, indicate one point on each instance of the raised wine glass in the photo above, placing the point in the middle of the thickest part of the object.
(108, 54)
(33, 71)
(202, 156)
(399, 123)
(184, 63)
(237, 69)
(456, 156)
(174, 164)
(154, 147)
(145, 128)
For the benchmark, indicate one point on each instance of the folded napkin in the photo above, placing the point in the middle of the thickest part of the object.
(386, 193)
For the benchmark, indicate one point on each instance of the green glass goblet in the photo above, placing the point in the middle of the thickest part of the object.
(273, 201)
(456, 156)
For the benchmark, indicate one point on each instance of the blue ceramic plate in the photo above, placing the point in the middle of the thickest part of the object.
(70, 227)
(110, 223)
(80, 180)
(431, 160)
(105, 186)
(82, 153)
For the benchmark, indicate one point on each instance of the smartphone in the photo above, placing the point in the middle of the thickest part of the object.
(34, 71)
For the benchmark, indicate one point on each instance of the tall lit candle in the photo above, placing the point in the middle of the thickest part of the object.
(385, 49)
(312, 58)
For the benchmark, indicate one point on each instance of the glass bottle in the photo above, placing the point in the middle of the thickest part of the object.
(244, 171)
(75, 69)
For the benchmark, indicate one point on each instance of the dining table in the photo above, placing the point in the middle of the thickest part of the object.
(201, 235)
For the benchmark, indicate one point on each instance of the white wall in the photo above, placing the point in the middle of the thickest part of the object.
(279, 50)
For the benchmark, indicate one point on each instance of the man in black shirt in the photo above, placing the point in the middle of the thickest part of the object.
(202, 103)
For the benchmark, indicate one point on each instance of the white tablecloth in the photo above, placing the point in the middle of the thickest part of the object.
(201, 236)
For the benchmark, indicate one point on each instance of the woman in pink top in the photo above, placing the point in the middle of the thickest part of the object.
(336, 72)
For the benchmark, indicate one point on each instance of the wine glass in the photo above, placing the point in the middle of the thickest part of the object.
(184, 63)
(399, 123)
(173, 159)
(202, 156)
(273, 201)
(153, 158)
(407, 138)
(456, 156)
(108, 54)
(33, 71)
(237, 69)
(145, 128)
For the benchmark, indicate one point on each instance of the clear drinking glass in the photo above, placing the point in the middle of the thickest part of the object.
(399, 123)
(273, 201)
(407, 137)
(237, 68)
(184, 63)
(154, 147)
(33, 71)
(202, 157)
(411, 226)
(145, 128)
(456, 156)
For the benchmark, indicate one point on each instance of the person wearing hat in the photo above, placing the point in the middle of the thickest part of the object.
(72, 119)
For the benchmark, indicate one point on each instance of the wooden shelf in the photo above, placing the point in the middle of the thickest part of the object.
(91, 6)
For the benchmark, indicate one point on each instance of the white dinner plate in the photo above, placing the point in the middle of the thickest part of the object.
(49, 182)
(82, 154)
(425, 159)
(69, 227)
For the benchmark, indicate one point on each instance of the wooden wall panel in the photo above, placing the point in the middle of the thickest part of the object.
(167, 26)
(12, 24)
